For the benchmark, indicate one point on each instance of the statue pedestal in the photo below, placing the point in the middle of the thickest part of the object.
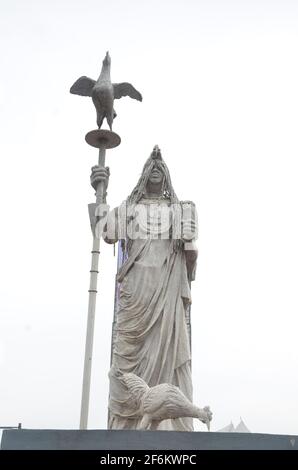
(43, 439)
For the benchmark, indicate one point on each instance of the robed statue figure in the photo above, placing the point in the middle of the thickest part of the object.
(151, 337)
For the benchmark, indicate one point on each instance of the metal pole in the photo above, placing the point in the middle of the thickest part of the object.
(91, 306)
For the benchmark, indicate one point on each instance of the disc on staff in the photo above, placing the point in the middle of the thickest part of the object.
(102, 138)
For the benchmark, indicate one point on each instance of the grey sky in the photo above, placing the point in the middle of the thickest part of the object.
(219, 81)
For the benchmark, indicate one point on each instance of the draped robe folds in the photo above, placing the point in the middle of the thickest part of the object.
(152, 339)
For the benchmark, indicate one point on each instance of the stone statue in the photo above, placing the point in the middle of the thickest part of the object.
(103, 92)
(163, 401)
(152, 341)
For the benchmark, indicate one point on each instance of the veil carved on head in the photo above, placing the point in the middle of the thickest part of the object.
(167, 190)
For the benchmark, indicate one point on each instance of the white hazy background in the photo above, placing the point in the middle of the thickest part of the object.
(219, 81)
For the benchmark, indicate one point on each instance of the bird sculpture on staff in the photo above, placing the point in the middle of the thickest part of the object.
(103, 92)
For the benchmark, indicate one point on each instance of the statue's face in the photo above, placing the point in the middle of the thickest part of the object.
(156, 176)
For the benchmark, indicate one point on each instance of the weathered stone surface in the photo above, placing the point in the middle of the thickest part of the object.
(152, 331)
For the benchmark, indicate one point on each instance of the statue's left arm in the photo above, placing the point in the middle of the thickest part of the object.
(189, 237)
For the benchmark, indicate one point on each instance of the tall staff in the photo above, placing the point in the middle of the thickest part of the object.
(103, 140)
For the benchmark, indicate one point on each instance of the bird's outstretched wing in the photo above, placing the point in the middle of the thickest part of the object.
(126, 89)
(83, 86)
